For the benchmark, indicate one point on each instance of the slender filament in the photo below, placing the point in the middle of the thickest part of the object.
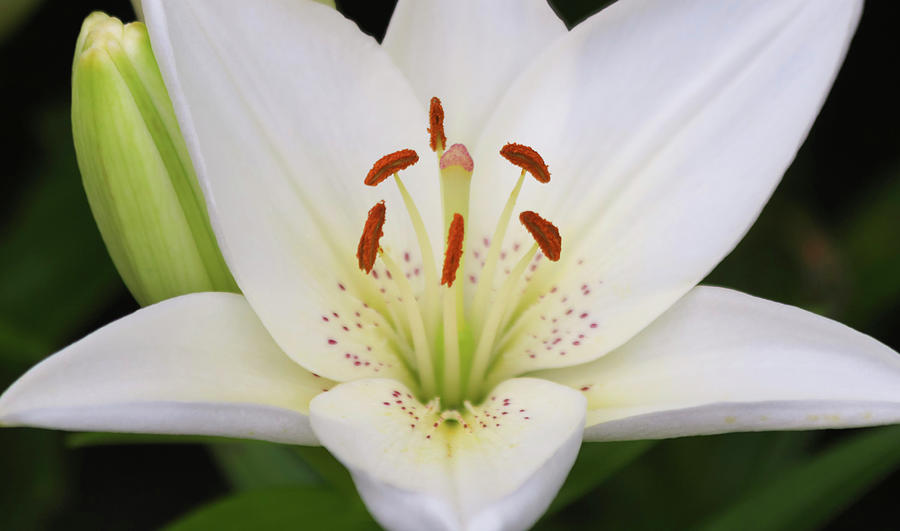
(485, 344)
(486, 282)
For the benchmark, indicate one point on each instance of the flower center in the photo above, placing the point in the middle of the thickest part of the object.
(449, 341)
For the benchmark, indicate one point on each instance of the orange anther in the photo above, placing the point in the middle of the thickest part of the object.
(367, 251)
(391, 164)
(454, 250)
(436, 123)
(544, 233)
(527, 159)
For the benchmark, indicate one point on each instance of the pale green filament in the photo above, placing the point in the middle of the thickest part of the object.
(491, 326)
(416, 325)
(431, 301)
(452, 383)
(486, 280)
(394, 336)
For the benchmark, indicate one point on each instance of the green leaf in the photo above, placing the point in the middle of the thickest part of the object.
(719, 469)
(277, 510)
(328, 468)
(251, 465)
(34, 476)
(595, 464)
(87, 439)
(55, 276)
(809, 494)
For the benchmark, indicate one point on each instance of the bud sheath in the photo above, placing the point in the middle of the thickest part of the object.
(135, 167)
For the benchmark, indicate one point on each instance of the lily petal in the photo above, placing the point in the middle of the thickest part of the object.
(196, 364)
(468, 53)
(285, 106)
(666, 126)
(721, 361)
(498, 466)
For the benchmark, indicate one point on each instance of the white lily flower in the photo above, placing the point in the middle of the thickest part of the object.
(461, 405)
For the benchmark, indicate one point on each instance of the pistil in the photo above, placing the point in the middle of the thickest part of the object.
(456, 167)
(456, 179)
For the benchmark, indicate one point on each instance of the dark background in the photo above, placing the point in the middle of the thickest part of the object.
(828, 242)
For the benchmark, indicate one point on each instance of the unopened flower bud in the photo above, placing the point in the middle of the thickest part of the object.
(135, 167)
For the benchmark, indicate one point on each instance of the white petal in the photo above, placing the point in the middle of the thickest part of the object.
(285, 106)
(498, 467)
(666, 126)
(197, 364)
(721, 361)
(468, 52)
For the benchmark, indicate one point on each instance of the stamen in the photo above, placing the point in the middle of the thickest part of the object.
(545, 234)
(483, 351)
(390, 164)
(422, 350)
(486, 283)
(436, 122)
(394, 163)
(454, 250)
(431, 302)
(527, 159)
(367, 251)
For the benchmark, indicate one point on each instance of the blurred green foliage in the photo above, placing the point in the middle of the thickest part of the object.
(278, 509)
(828, 241)
(55, 267)
(14, 13)
(809, 493)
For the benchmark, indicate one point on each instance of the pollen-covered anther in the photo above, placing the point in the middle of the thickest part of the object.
(391, 164)
(454, 250)
(527, 159)
(544, 233)
(367, 251)
(436, 125)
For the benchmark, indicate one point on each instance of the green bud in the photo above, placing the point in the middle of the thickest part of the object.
(135, 167)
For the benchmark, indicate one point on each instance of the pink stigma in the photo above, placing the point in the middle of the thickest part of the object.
(457, 155)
